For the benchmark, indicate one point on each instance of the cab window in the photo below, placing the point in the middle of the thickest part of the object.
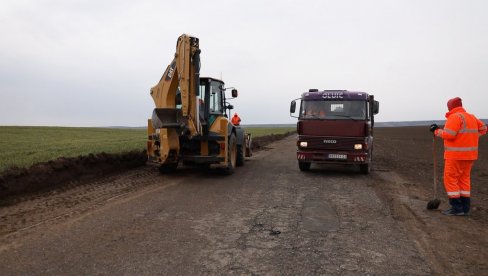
(215, 104)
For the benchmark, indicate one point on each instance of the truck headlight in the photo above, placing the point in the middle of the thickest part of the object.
(303, 144)
(358, 146)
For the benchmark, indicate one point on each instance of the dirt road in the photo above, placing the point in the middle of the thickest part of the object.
(268, 218)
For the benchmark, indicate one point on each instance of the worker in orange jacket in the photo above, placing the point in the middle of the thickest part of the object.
(236, 120)
(461, 134)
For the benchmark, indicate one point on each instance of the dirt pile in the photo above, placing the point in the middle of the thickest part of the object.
(15, 181)
(260, 143)
(56, 173)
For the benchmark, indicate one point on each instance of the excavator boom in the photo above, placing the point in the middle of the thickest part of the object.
(181, 79)
(179, 84)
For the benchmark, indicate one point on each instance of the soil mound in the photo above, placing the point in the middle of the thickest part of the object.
(15, 181)
(56, 173)
(260, 143)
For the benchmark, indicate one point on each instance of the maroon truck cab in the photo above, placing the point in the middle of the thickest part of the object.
(335, 127)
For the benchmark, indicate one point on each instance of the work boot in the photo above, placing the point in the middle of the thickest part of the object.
(452, 212)
(466, 201)
(456, 209)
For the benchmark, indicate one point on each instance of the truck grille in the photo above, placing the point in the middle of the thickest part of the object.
(331, 143)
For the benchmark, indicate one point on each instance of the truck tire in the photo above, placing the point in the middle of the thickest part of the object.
(168, 168)
(304, 166)
(231, 155)
(241, 149)
(365, 168)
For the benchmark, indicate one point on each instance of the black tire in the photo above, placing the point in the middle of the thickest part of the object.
(168, 168)
(241, 149)
(304, 166)
(231, 155)
(365, 168)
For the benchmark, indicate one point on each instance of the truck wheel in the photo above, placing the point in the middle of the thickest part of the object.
(365, 168)
(304, 166)
(241, 149)
(231, 155)
(168, 168)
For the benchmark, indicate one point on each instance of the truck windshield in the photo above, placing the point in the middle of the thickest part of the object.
(340, 110)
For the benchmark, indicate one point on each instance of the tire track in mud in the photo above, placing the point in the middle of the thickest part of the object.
(74, 200)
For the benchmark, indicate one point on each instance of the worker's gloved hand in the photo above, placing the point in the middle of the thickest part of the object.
(433, 127)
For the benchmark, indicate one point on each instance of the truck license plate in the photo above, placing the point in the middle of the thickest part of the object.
(337, 156)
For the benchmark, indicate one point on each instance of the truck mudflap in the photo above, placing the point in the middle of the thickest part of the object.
(334, 157)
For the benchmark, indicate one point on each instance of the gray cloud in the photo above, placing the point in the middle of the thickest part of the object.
(92, 63)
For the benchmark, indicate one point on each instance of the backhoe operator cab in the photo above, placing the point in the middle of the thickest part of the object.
(335, 127)
(190, 122)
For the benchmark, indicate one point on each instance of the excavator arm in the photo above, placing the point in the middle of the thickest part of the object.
(182, 75)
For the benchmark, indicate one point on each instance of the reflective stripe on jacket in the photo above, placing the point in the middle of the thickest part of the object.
(461, 134)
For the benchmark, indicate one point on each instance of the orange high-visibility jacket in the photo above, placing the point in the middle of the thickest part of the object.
(236, 120)
(461, 134)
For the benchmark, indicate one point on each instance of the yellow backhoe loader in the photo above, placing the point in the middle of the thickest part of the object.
(190, 122)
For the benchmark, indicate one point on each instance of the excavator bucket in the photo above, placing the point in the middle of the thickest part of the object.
(167, 118)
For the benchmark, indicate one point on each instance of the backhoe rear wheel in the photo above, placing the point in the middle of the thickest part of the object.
(241, 152)
(231, 155)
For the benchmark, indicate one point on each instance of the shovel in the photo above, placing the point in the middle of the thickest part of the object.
(434, 204)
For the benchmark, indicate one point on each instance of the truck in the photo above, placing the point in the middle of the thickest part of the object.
(335, 127)
(190, 122)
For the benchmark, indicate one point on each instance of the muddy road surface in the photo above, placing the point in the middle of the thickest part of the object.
(268, 218)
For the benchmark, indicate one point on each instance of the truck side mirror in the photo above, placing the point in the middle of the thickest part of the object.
(376, 107)
(293, 107)
(234, 93)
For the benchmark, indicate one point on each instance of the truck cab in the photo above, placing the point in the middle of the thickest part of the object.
(335, 127)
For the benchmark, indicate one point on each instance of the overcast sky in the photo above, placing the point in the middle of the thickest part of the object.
(92, 63)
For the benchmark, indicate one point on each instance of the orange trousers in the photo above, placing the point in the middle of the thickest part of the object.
(457, 177)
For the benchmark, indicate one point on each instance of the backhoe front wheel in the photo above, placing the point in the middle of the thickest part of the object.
(231, 155)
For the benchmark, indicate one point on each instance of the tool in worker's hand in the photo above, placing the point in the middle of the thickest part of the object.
(434, 204)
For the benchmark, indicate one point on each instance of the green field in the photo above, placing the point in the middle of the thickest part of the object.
(24, 146)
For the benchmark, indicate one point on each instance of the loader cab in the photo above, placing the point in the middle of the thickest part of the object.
(212, 100)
